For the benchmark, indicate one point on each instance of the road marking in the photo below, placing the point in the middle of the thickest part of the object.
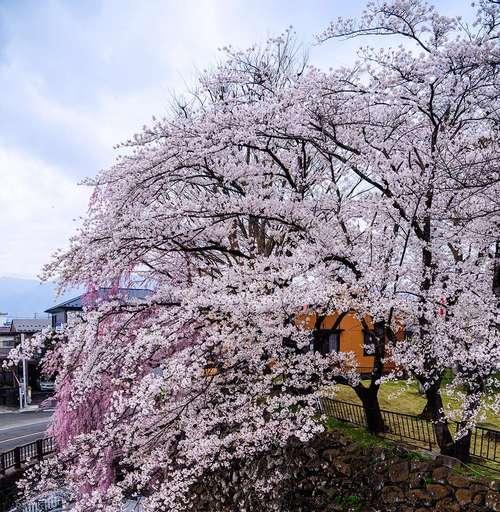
(20, 437)
(20, 425)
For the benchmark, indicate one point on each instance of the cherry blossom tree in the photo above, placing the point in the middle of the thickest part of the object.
(275, 190)
(215, 216)
(421, 127)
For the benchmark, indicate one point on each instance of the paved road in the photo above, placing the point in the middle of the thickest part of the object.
(17, 429)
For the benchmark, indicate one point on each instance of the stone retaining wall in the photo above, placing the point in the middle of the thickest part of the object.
(335, 473)
(385, 479)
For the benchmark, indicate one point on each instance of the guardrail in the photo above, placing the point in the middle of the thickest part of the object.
(20, 455)
(11, 502)
(485, 442)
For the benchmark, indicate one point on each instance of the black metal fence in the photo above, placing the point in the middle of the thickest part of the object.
(20, 455)
(485, 443)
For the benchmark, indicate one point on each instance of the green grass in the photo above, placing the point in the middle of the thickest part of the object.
(364, 439)
(489, 471)
(403, 396)
(359, 436)
(351, 503)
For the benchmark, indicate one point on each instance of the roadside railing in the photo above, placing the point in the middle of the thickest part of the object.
(11, 502)
(53, 503)
(485, 443)
(20, 455)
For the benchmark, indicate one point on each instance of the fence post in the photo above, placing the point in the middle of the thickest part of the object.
(2, 464)
(39, 449)
(17, 457)
(430, 434)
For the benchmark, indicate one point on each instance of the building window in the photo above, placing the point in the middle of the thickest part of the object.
(368, 343)
(326, 341)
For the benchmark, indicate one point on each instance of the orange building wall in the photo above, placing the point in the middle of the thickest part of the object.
(351, 336)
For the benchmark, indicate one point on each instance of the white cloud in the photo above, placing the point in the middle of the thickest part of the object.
(77, 78)
(39, 209)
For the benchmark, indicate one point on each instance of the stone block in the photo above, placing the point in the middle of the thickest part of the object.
(420, 496)
(421, 466)
(476, 488)
(447, 505)
(478, 499)
(438, 491)
(360, 463)
(415, 480)
(392, 494)
(399, 472)
(441, 474)
(377, 481)
(330, 454)
(342, 467)
(492, 501)
(463, 496)
(459, 481)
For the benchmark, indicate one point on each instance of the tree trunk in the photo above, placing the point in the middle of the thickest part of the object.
(461, 447)
(369, 395)
(433, 411)
(426, 413)
(369, 399)
(440, 423)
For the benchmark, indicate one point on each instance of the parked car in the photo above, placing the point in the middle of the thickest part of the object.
(46, 385)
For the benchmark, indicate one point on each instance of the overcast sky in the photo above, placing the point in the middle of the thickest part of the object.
(77, 77)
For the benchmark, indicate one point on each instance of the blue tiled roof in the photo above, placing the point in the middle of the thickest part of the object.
(29, 325)
(77, 303)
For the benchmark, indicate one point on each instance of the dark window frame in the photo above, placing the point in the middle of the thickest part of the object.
(321, 337)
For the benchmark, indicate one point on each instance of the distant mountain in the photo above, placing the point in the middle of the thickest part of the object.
(23, 298)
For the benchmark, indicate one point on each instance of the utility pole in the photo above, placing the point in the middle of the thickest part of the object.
(20, 397)
(23, 393)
